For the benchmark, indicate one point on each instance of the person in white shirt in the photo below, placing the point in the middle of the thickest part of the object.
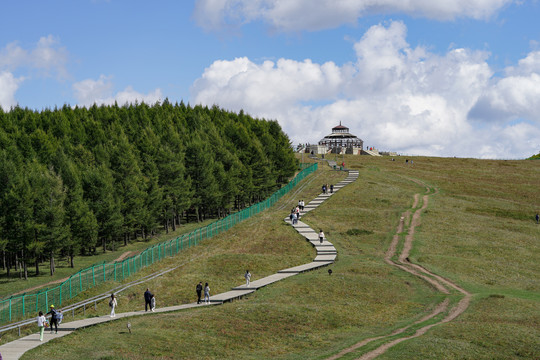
(113, 303)
(41, 321)
(321, 236)
(206, 294)
(247, 275)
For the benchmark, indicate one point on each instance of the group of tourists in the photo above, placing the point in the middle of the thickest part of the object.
(199, 288)
(325, 188)
(149, 301)
(295, 215)
(42, 322)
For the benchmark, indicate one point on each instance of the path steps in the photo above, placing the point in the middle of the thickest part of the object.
(326, 255)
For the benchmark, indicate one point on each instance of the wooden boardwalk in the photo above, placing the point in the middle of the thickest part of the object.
(326, 255)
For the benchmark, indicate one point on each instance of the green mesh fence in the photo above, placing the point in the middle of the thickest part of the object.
(21, 306)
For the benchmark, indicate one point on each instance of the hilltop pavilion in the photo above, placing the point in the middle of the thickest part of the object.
(340, 141)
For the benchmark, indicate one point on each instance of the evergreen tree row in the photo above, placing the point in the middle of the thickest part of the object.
(75, 180)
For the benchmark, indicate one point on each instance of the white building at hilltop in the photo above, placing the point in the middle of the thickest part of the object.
(340, 141)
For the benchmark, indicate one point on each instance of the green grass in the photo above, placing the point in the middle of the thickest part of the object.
(478, 231)
(14, 284)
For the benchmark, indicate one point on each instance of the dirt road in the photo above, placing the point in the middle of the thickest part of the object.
(441, 284)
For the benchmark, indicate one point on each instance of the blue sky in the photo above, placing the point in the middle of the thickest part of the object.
(458, 78)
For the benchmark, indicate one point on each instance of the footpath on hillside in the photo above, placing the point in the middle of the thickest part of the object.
(402, 262)
(326, 254)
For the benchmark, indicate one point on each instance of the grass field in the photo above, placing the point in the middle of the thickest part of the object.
(477, 231)
(13, 284)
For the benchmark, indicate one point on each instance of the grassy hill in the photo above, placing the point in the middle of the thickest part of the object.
(478, 231)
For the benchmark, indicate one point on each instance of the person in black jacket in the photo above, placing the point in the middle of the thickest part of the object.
(54, 319)
(147, 300)
(199, 291)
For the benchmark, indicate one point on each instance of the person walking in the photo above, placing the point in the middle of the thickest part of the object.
(54, 319)
(41, 321)
(321, 236)
(147, 299)
(206, 294)
(113, 303)
(331, 188)
(294, 218)
(247, 275)
(153, 303)
(199, 289)
(537, 218)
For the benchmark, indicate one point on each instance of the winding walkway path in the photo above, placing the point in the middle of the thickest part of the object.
(326, 255)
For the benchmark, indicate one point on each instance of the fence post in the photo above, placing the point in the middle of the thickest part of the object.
(215, 228)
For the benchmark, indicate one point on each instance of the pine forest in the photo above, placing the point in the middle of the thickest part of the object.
(77, 181)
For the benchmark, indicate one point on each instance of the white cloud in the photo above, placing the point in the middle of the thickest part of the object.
(12, 57)
(249, 82)
(513, 97)
(89, 91)
(8, 86)
(312, 15)
(393, 96)
(47, 57)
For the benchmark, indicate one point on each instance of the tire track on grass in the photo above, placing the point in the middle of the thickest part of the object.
(403, 263)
